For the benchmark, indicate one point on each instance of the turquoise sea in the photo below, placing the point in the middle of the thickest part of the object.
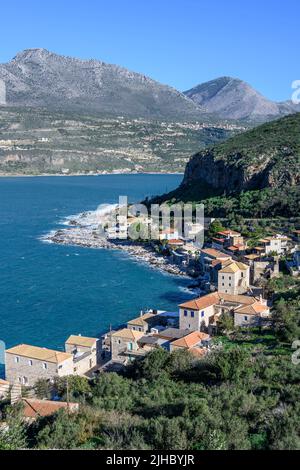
(48, 292)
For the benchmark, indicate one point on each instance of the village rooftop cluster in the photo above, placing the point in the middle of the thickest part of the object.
(228, 273)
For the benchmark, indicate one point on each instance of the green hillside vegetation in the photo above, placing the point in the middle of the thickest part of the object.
(280, 137)
(268, 154)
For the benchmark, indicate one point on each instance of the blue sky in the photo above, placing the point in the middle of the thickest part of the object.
(178, 42)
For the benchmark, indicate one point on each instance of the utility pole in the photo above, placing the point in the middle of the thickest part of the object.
(110, 330)
(68, 398)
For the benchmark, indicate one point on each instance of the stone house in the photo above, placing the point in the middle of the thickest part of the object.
(234, 278)
(85, 351)
(26, 364)
(204, 312)
(226, 238)
(251, 315)
(211, 261)
(124, 345)
(195, 314)
(144, 322)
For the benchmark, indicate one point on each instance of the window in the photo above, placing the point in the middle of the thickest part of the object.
(229, 284)
(185, 313)
(17, 359)
(45, 365)
(30, 362)
(192, 314)
(229, 278)
(202, 313)
(242, 274)
(20, 380)
(25, 380)
(223, 284)
(223, 277)
(245, 318)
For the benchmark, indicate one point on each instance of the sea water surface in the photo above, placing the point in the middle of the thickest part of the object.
(47, 291)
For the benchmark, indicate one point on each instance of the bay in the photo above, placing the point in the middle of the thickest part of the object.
(48, 292)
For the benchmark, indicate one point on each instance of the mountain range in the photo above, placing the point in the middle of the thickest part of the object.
(39, 78)
(232, 98)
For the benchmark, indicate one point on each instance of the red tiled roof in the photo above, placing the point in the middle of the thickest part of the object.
(228, 232)
(34, 408)
(201, 302)
(222, 240)
(190, 340)
(175, 241)
(214, 253)
(215, 298)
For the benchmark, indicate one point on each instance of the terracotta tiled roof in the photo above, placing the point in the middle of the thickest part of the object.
(34, 408)
(41, 354)
(81, 341)
(222, 240)
(215, 299)
(201, 302)
(233, 248)
(239, 299)
(128, 334)
(214, 253)
(251, 257)
(229, 233)
(237, 247)
(254, 309)
(190, 340)
(175, 241)
(140, 321)
(234, 267)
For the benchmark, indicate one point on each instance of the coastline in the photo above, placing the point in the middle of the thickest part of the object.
(86, 239)
(83, 230)
(104, 173)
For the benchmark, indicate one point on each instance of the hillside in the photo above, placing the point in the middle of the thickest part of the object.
(231, 98)
(44, 142)
(39, 78)
(262, 164)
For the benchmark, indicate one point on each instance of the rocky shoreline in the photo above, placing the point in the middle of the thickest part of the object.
(89, 238)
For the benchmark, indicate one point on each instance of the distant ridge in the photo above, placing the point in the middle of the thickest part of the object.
(39, 78)
(232, 98)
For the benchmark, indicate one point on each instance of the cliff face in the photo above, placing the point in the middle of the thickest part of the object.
(265, 157)
(224, 176)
